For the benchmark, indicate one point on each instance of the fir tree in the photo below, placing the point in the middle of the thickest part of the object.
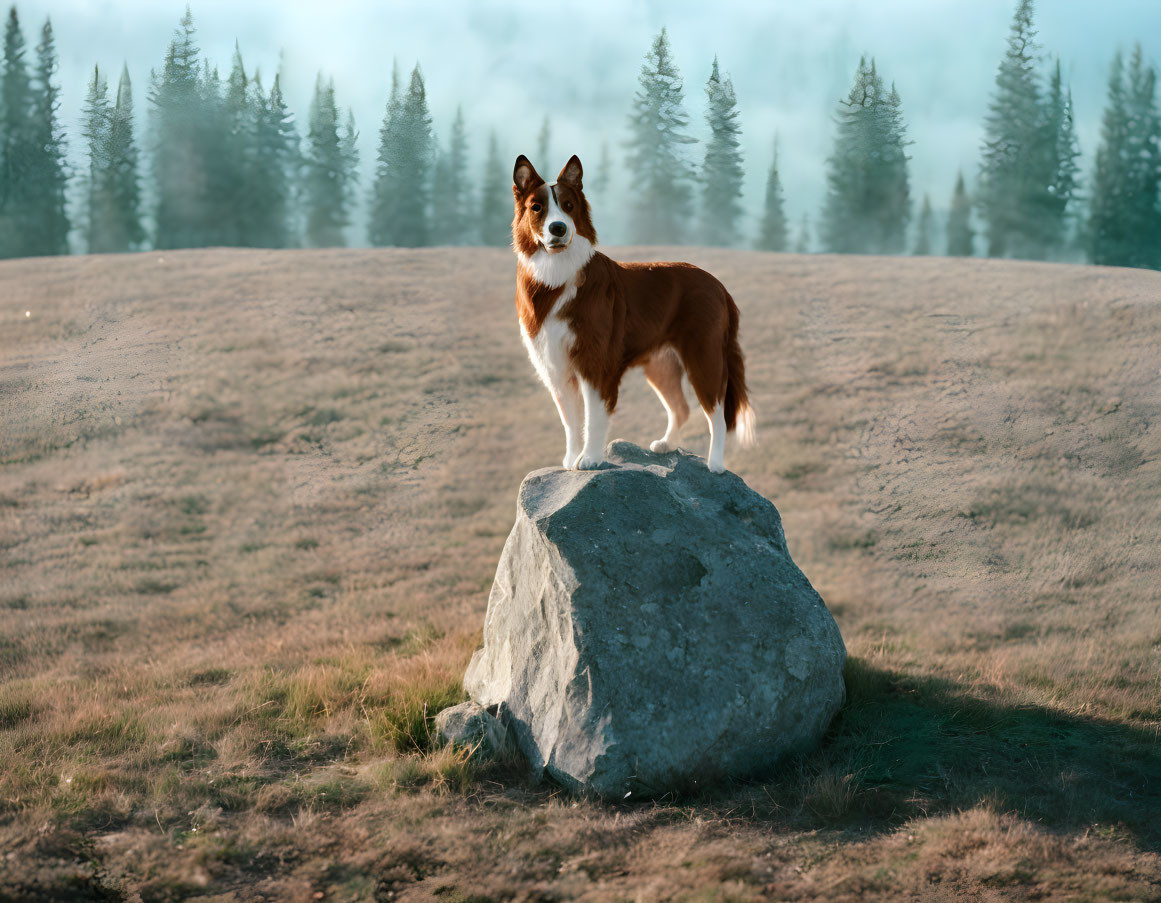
(868, 201)
(451, 193)
(661, 175)
(47, 214)
(178, 164)
(1124, 222)
(327, 172)
(386, 188)
(722, 171)
(124, 182)
(802, 243)
(276, 163)
(495, 199)
(960, 237)
(1028, 170)
(925, 228)
(774, 232)
(402, 203)
(600, 183)
(544, 145)
(17, 144)
(96, 126)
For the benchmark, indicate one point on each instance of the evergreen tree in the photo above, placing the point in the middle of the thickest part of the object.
(47, 214)
(722, 171)
(495, 199)
(17, 144)
(868, 201)
(802, 243)
(960, 237)
(124, 183)
(600, 183)
(925, 238)
(96, 126)
(451, 193)
(662, 176)
(544, 145)
(178, 164)
(1124, 223)
(774, 232)
(232, 199)
(402, 203)
(386, 189)
(276, 163)
(1028, 171)
(327, 171)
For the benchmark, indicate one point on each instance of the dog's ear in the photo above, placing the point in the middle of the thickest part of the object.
(572, 172)
(524, 175)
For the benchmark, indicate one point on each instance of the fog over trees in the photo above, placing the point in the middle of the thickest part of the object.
(224, 160)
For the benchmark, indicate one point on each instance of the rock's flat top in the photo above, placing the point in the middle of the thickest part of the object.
(648, 629)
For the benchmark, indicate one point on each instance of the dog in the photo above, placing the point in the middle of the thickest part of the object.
(586, 319)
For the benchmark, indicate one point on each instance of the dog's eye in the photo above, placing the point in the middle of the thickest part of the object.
(535, 208)
(567, 206)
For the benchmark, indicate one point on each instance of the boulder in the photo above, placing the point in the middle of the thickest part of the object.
(471, 727)
(647, 630)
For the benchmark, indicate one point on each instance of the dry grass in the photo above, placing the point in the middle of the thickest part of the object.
(250, 505)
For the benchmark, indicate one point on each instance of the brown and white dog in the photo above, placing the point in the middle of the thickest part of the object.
(586, 319)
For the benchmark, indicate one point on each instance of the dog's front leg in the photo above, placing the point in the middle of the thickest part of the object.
(596, 426)
(571, 407)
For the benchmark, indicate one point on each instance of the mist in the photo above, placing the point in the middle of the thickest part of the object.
(512, 64)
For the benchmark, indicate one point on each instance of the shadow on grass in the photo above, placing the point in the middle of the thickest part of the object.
(906, 746)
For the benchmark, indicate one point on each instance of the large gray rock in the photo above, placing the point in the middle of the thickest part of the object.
(648, 631)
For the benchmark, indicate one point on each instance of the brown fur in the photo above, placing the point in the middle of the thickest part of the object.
(627, 314)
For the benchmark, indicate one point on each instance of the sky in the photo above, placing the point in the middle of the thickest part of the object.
(512, 63)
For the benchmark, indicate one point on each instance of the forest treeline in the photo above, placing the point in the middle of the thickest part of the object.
(221, 160)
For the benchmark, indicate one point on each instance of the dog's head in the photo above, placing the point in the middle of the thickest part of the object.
(549, 216)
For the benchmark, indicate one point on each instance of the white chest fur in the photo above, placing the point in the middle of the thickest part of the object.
(550, 348)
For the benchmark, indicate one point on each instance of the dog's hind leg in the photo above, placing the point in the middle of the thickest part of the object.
(663, 372)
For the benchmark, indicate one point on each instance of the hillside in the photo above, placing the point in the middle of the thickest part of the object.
(251, 503)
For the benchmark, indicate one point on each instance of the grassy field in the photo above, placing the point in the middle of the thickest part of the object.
(251, 504)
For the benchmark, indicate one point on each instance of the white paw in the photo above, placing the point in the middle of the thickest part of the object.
(569, 462)
(659, 446)
(715, 466)
(589, 462)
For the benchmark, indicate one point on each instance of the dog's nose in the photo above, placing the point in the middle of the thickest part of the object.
(558, 229)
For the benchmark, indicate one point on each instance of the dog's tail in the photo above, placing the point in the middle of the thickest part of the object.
(739, 413)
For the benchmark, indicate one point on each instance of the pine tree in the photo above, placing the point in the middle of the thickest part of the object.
(1028, 169)
(1051, 195)
(178, 166)
(49, 219)
(925, 229)
(960, 237)
(1124, 223)
(451, 193)
(17, 143)
(229, 157)
(96, 126)
(774, 233)
(495, 199)
(401, 207)
(386, 189)
(601, 180)
(124, 184)
(661, 175)
(722, 171)
(276, 163)
(802, 243)
(868, 201)
(327, 172)
(544, 145)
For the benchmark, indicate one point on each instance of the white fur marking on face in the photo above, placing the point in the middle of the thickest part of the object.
(554, 270)
(555, 214)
